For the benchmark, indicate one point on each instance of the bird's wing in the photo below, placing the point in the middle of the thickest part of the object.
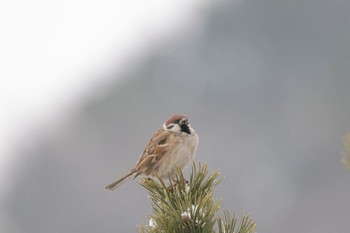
(153, 152)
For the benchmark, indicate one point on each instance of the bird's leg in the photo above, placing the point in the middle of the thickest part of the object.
(174, 183)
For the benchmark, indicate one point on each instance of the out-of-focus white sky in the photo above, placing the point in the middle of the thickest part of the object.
(54, 52)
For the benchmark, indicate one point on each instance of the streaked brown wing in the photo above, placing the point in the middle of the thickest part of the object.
(153, 152)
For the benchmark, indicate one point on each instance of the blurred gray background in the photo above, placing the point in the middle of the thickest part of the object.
(265, 84)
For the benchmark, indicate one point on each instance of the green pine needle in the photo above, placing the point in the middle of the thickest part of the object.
(179, 206)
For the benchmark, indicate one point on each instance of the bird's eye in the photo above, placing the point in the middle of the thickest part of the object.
(183, 121)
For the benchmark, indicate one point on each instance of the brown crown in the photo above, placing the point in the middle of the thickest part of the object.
(175, 119)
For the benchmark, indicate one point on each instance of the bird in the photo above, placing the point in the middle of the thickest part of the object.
(172, 146)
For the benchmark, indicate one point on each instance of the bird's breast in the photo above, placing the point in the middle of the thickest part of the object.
(180, 154)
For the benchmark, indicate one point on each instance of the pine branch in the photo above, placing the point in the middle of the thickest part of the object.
(181, 207)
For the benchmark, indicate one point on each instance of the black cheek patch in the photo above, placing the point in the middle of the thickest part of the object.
(170, 126)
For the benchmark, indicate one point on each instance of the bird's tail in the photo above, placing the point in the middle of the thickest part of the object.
(120, 181)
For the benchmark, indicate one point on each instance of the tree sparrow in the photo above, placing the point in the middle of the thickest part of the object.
(174, 145)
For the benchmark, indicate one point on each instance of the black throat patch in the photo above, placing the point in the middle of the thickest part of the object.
(185, 128)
